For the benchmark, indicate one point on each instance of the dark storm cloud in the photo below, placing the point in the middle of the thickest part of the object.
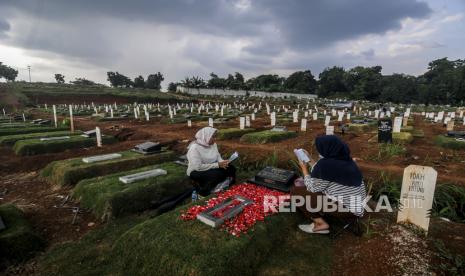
(4, 27)
(73, 28)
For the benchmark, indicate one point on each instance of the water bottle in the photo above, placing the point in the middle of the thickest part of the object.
(194, 196)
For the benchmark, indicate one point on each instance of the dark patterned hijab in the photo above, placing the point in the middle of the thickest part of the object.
(337, 164)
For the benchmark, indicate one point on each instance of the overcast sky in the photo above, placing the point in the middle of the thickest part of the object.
(180, 38)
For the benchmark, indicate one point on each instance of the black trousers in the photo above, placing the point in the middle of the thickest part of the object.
(207, 180)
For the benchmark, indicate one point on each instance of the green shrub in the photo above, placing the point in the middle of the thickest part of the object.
(402, 137)
(406, 129)
(449, 202)
(89, 255)
(29, 129)
(449, 142)
(107, 197)
(387, 151)
(35, 146)
(71, 171)
(18, 242)
(231, 133)
(11, 139)
(418, 133)
(267, 136)
(361, 128)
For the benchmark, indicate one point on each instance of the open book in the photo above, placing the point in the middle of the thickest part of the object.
(301, 155)
(233, 156)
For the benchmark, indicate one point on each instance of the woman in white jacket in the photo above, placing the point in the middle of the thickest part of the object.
(206, 166)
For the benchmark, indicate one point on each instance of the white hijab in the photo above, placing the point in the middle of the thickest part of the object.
(204, 135)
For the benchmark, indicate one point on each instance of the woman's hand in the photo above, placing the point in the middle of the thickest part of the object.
(303, 168)
(223, 164)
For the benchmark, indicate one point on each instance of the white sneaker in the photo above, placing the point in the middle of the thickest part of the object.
(308, 228)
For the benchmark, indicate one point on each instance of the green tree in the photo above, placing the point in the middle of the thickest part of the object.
(154, 81)
(364, 82)
(331, 81)
(139, 82)
(118, 80)
(172, 87)
(398, 88)
(60, 78)
(7, 72)
(301, 82)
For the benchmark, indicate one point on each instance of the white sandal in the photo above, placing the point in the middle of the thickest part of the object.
(308, 228)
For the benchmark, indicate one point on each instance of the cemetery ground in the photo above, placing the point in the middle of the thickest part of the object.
(276, 247)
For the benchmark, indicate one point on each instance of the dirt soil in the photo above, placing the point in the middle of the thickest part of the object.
(19, 178)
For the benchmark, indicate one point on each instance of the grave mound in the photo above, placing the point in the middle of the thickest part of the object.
(267, 136)
(167, 245)
(108, 197)
(450, 142)
(18, 242)
(29, 129)
(71, 171)
(10, 140)
(36, 146)
(231, 133)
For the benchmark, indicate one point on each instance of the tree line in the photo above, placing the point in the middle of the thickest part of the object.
(443, 83)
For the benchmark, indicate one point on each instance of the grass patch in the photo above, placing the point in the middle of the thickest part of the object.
(231, 133)
(71, 171)
(267, 136)
(35, 146)
(166, 245)
(449, 202)
(418, 133)
(28, 129)
(109, 198)
(387, 151)
(407, 129)
(9, 140)
(89, 255)
(449, 142)
(18, 242)
(397, 137)
(361, 128)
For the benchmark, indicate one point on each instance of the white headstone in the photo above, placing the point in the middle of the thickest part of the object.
(71, 118)
(397, 124)
(189, 123)
(417, 193)
(247, 121)
(241, 122)
(450, 125)
(253, 116)
(210, 122)
(329, 130)
(303, 124)
(99, 158)
(295, 117)
(98, 135)
(315, 116)
(273, 118)
(142, 175)
(54, 138)
(327, 120)
(55, 115)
